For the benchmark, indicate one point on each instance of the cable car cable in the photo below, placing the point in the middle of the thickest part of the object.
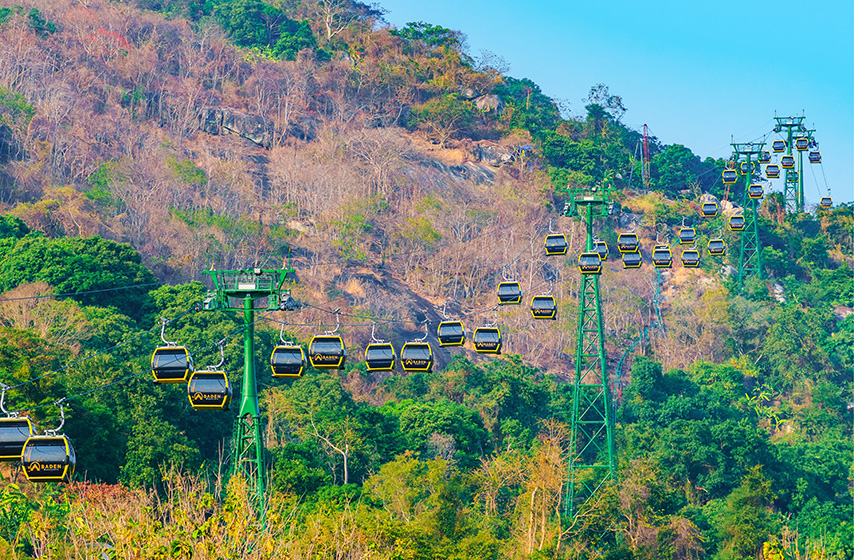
(99, 352)
(149, 370)
(68, 294)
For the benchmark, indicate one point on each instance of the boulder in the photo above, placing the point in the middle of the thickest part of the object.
(468, 93)
(708, 197)
(777, 292)
(630, 221)
(489, 104)
(218, 120)
(494, 155)
(252, 127)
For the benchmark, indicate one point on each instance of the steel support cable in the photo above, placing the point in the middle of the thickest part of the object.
(135, 375)
(100, 352)
(69, 294)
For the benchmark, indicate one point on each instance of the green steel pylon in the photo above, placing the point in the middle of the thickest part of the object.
(592, 454)
(750, 258)
(247, 446)
(793, 186)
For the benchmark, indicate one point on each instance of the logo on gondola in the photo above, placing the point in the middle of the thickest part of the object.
(36, 467)
(206, 397)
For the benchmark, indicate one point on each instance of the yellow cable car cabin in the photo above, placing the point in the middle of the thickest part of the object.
(509, 293)
(48, 458)
(815, 157)
(792, 177)
(764, 157)
(632, 260)
(556, 244)
(327, 352)
(602, 248)
(543, 307)
(787, 161)
(628, 243)
(747, 167)
(772, 171)
(380, 356)
(826, 202)
(451, 333)
(778, 146)
(717, 246)
(171, 364)
(729, 176)
(710, 209)
(736, 223)
(287, 361)
(590, 263)
(417, 356)
(14, 433)
(209, 390)
(487, 340)
(802, 144)
(687, 235)
(662, 257)
(755, 191)
(691, 258)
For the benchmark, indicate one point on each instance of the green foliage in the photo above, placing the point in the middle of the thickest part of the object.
(527, 107)
(71, 264)
(41, 26)
(443, 117)
(432, 36)
(295, 36)
(187, 172)
(261, 25)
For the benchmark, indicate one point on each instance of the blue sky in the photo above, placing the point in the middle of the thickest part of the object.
(697, 73)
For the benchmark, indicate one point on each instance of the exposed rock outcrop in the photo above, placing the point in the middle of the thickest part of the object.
(489, 104)
(219, 120)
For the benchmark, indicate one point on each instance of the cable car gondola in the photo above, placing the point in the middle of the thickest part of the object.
(792, 177)
(287, 361)
(764, 157)
(556, 244)
(717, 246)
(628, 243)
(632, 260)
(662, 257)
(772, 171)
(747, 167)
(729, 176)
(327, 352)
(509, 293)
(590, 263)
(487, 340)
(691, 258)
(14, 433)
(451, 333)
(417, 356)
(48, 458)
(380, 356)
(755, 191)
(543, 307)
(209, 389)
(778, 146)
(826, 202)
(602, 248)
(736, 223)
(710, 209)
(787, 161)
(687, 235)
(171, 364)
(815, 157)
(802, 144)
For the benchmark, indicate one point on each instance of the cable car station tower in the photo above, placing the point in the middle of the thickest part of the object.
(247, 446)
(592, 454)
(746, 157)
(793, 189)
